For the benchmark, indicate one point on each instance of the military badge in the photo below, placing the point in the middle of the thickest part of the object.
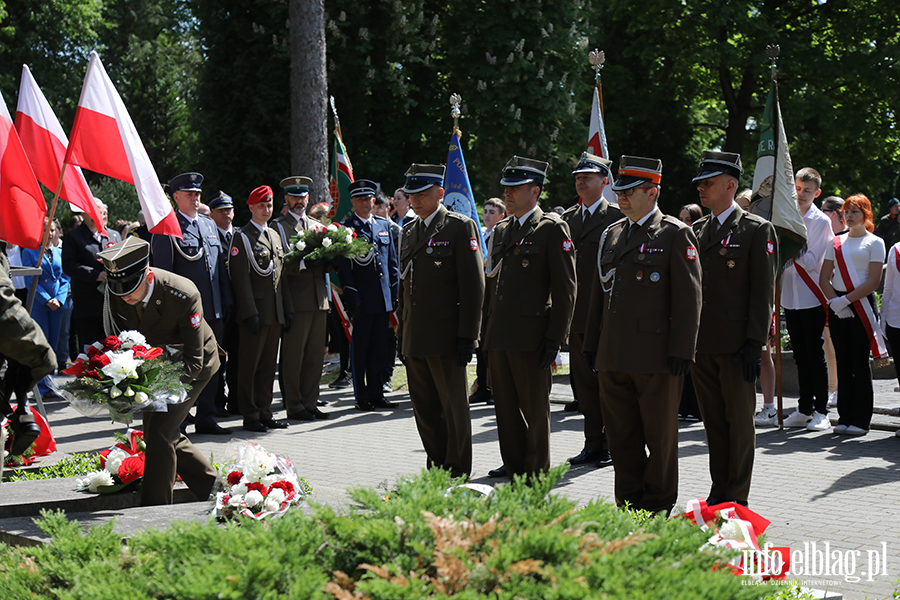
(770, 247)
(195, 320)
(723, 252)
(111, 244)
(730, 264)
(640, 276)
(654, 277)
(473, 244)
(690, 253)
(525, 262)
(438, 263)
(234, 250)
(567, 246)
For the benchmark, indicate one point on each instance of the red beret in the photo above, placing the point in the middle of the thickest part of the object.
(261, 194)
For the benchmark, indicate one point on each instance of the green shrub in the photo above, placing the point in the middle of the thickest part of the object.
(412, 541)
(70, 466)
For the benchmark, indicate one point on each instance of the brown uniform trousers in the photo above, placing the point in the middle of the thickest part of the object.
(585, 384)
(257, 291)
(441, 294)
(172, 317)
(738, 294)
(531, 286)
(649, 313)
(303, 345)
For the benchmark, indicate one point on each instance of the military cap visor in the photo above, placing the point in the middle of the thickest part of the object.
(635, 171)
(125, 264)
(591, 163)
(520, 170)
(223, 200)
(362, 188)
(186, 182)
(713, 164)
(420, 177)
(296, 185)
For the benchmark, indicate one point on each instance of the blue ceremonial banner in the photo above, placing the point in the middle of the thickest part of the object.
(457, 190)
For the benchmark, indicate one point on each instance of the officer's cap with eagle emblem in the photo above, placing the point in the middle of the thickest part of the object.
(591, 163)
(362, 188)
(637, 170)
(520, 170)
(713, 164)
(124, 263)
(223, 200)
(186, 182)
(296, 185)
(420, 177)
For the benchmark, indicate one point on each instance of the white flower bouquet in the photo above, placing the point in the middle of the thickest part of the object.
(256, 483)
(122, 375)
(325, 244)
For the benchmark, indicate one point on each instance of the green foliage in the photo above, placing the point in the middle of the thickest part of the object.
(120, 197)
(70, 466)
(416, 540)
(792, 592)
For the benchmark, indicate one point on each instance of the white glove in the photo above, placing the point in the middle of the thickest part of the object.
(838, 304)
(845, 313)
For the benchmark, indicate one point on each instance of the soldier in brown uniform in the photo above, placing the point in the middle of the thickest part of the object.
(303, 345)
(587, 222)
(168, 310)
(737, 251)
(532, 293)
(263, 308)
(642, 324)
(441, 293)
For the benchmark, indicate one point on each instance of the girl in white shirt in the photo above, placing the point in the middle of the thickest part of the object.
(848, 280)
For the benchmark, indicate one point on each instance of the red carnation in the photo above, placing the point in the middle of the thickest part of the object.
(234, 478)
(99, 361)
(92, 351)
(284, 485)
(93, 374)
(258, 487)
(131, 468)
(112, 343)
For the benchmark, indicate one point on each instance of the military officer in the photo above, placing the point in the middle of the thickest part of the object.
(221, 211)
(303, 345)
(531, 283)
(168, 310)
(263, 308)
(737, 251)
(641, 334)
(442, 291)
(370, 294)
(587, 221)
(200, 257)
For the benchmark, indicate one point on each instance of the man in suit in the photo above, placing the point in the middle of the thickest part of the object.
(200, 257)
(641, 334)
(531, 275)
(737, 251)
(168, 310)
(587, 223)
(303, 345)
(370, 294)
(79, 256)
(221, 211)
(263, 308)
(442, 291)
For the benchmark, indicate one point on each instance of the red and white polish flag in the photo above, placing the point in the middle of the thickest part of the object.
(105, 140)
(45, 144)
(22, 204)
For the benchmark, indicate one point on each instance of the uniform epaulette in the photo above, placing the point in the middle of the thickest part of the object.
(180, 294)
(456, 215)
(409, 224)
(376, 217)
(571, 210)
(672, 220)
(752, 217)
(552, 216)
(316, 221)
(623, 220)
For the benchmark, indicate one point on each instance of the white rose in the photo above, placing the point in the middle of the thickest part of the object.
(326, 242)
(331, 227)
(300, 245)
(348, 237)
(130, 338)
(276, 495)
(253, 498)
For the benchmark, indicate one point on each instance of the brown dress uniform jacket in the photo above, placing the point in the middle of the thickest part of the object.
(442, 284)
(531, 280)
(255, 292)
(308, 287)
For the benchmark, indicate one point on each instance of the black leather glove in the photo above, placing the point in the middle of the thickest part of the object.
(252, 324)
(590, 358)
(288, 321)
(679, 367)
(465, 347)
(547, 352)
(352, 310)
(750, 354)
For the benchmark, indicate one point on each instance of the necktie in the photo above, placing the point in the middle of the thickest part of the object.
(584, 216)
(632, 228)
(139, 307)
(228, 238)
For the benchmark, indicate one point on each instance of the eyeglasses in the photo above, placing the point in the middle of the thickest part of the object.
(630, 191)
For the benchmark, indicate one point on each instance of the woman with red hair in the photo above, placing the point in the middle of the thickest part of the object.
(850, 274)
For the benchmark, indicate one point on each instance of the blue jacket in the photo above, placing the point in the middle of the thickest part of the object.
(207, 270)
(53, 283)
(371, 283)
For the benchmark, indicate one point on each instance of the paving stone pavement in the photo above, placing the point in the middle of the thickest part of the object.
(815, 487)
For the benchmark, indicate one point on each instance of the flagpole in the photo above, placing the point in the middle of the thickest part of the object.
(597, 58)
(772, 50)
(455, 100)
(45, 239)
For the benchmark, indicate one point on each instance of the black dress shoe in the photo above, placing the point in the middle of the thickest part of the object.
(382, 403)
(25, 431)
(585, 457)
(482, 394)
(364, 406)
(498, 472)
(712, 501)
(572, 406)
(604, 459)
(321, 402)
(319, 414)
(342, 382)
(303, 415)
(273, 424)
(256, 426)
(211, 429)
(222, 413)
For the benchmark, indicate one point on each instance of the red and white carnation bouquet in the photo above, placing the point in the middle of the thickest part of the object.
(121, 466)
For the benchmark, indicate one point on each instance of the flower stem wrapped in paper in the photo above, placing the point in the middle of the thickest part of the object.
(256, 483)
(324, 244)
(122, 375)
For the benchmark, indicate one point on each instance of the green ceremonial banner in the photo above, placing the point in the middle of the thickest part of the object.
(774, 194)
(341, 178)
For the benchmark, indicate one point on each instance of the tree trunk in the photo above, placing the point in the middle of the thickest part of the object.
(309, 96)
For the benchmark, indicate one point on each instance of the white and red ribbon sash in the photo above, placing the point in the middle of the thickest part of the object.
(346, 323)
(863, 308)
(814, 288)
